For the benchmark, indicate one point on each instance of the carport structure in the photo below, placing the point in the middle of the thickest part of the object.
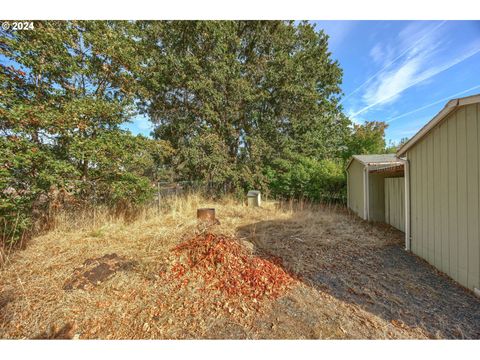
(376, 188)
(430, 189)
(443, 209)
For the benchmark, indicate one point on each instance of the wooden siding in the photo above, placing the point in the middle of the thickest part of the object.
(355, 187)
(395, 202)
(445, 196)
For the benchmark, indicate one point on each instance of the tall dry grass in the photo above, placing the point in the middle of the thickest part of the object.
(148, 230)
(138, 304)
(32, 279)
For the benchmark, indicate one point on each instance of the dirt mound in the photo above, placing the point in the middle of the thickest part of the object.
(95, 271)
(222, 263)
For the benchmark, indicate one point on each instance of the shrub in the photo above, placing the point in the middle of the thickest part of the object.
(38, 178)
(303, 177)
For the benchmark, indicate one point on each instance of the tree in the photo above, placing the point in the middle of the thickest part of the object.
(231, 96)
(65, 89)
(367, 138)
(393, 146)
(230, 101)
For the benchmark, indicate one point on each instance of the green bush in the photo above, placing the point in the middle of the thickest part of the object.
(132, 189)
(27, 171)
(307, 178)
(33, 177)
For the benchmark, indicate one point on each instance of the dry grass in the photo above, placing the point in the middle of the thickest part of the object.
(315, 242)
(32, 279)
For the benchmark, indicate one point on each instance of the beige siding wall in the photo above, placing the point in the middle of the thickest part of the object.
(445, 188)
(395, 202)
(355, 187)
(376, 195)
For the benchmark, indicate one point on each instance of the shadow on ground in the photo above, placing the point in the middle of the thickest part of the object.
(365, 264)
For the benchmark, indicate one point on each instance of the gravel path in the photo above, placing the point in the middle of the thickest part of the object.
(365, 266)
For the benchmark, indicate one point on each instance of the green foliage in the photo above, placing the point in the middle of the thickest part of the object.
(26, 171)
(204, 159)
(233, 96)
(65, 90)
(393, 147)
(303, 177)
(368, 138)
(130, 189)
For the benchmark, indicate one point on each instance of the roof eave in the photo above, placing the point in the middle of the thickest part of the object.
(354, 157)
(348, 164)
(447, 109)
(385, 163)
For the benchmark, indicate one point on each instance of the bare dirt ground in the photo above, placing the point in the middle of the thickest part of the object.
(111, 279)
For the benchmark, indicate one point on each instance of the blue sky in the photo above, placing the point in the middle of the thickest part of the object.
(403, 72)
(139, 125)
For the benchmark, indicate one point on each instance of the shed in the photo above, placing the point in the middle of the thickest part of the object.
(443, 191)
(367, 184)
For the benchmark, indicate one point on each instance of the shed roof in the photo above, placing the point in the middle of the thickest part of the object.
(377, 160)
(447, 109)
(391, 169)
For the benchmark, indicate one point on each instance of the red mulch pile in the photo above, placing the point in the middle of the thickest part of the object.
(224, 264)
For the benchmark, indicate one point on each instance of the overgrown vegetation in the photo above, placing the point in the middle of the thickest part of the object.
(236, 105)
(304, 177)
(66, 88)
(231, 97)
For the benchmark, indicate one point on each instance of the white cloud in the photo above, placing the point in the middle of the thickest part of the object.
(396, 117)
(382, 54)
(401, 48)
(355, 119)
(418, 63)
(389, 85)
(377, 54)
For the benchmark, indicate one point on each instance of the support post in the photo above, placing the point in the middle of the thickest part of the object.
(365, 194)
(348, 191)
(407, 204)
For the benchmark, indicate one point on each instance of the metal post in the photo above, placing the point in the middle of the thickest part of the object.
(348, 185)
(365, 194)
(407, 204)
